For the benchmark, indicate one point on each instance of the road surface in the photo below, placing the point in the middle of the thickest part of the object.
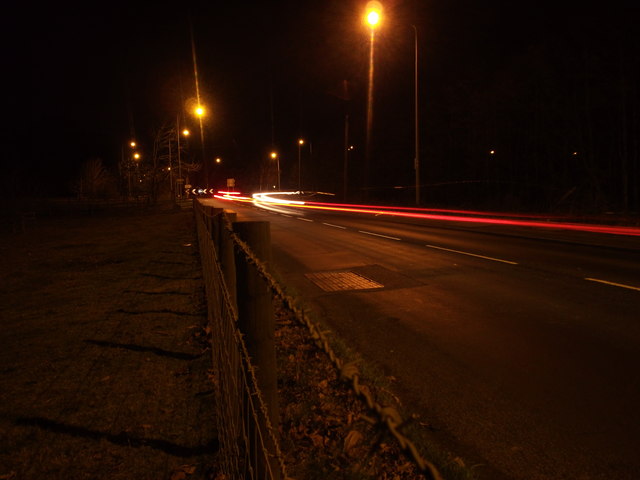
(522, 354)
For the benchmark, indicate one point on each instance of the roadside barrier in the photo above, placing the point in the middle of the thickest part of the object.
(248, 441)
(216, 234)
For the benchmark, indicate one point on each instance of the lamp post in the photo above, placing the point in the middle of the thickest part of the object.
(373, 17)
(300, 143)
(275, 157)
(416, 165)
(132, 144)
(200, 111)
(185, 132)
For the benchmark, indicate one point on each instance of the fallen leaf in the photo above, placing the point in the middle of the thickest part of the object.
(352, 440)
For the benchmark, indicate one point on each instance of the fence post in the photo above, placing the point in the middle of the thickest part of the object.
(215, 227)
(256, 321)
(226, 256)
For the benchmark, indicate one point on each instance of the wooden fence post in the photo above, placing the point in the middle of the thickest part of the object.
(227, 259)
(257, 322)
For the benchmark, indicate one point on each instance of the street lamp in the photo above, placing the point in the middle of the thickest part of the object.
(218, 160)
(416, 164)
(185, 133)
(200, 111)
(275, 156)
(374, 14)
(373, 18)
(300, 143)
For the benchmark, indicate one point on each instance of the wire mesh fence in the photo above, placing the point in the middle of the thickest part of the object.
(248, 439)
(248, 442)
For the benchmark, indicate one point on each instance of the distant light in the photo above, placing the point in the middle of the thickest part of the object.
(133, 144)
(136, 156)
(301, 142)
(218, 160)
(575, 153)
(374, 14)
(274, 155)
(492, 152)
(199, 110)
(186, 132)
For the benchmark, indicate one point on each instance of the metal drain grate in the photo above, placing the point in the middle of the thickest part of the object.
(336, 281)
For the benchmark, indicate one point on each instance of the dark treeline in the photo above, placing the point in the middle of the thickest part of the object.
(556, 128)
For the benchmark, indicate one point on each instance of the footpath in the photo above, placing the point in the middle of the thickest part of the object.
(104, 365)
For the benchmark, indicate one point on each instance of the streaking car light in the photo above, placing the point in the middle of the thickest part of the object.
(268, 201)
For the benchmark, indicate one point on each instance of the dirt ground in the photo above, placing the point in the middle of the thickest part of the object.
(103, 366)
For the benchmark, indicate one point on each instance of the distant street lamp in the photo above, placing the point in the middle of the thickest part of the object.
(200, 111)
(218, 160)
(300, 143)
(417, 131)
(132, 144)
(275, 156)
(373, 18)
(185, 133)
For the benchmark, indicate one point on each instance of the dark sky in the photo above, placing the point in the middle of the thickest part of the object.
(269, 71)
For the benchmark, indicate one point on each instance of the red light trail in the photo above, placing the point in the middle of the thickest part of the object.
(267, 200)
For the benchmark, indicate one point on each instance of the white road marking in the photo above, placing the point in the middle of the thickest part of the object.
(334, 226)
(473, 255)
(379, 235)
(305, 219)
(622, 285)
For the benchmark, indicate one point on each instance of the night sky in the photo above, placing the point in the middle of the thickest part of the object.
(535, 82)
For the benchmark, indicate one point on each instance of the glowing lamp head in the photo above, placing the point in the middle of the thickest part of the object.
(132, 144)
(301, 142)
(136, 156)
(373, 14)
(186, 132)
(199, 110)
(274, 155)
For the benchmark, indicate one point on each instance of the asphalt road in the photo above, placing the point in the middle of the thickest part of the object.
(523, 354)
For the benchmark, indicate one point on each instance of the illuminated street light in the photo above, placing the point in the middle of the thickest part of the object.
(416, 164)
(185, 133)
(132, 144)
(275, 156)
(136, 156)
(218, 160)
(200, 112)
(373, 18)
(300, 143)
